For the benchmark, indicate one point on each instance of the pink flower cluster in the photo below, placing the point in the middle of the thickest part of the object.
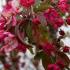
(27, 3)
(53, 18)
(53, 67)
(48, 48)
(2, 23)
(9, 42)
(57, 66)
(64, 6)
(10, 8)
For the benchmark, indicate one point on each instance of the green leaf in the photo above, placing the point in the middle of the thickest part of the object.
(42, 6)
(39, 55)
(31, 50)
(44, 33)
(2, 57)
(45, 59)
(29, 32)
(13, 53)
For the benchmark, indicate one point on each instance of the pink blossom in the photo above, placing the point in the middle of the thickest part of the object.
(10, 8)
(53, 67)
(2, 23)
(36, 20)
(63, 6)
(21, 48)
(48, 48)
(61, 32)
(7, 66)
(10, 42)
(14, 21)
(27, 3)
(66, 49)
(60, 63)
(53, 18)
(2, 36)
